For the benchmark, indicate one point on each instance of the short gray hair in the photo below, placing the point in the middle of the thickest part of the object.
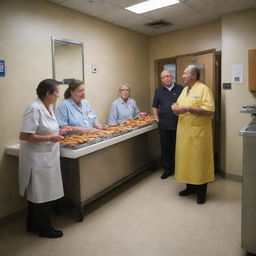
(124, 84)
(166, 70)
(195, 70)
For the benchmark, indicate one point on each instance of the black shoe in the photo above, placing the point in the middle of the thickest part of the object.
(51, 234)
(186, 192)
(250, 254)
(165, 175)
(201, 199)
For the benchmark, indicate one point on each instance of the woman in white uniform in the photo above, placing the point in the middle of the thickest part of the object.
(39, 166)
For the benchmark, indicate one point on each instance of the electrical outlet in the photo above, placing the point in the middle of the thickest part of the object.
(94, 69)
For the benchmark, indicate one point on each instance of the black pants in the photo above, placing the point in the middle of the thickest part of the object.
(201, 190)
(168, 142)
(38, 217)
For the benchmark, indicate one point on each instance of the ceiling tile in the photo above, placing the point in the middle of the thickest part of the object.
(206, 8)
(92, 8)
(184, 14)
(192, 19)
(135, 21)
(217, 8)
(143, 30)
(123, 3)
(118, 15)
(175, 10)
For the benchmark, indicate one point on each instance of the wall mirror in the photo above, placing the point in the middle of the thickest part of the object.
(67, 61)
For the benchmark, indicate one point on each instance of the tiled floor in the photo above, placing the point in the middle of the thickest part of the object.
(143, 217)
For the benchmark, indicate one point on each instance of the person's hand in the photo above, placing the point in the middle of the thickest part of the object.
(174, 106)
(178, 110)
(55, 138)
(88, 130)
(104, 127)
(65, 130)
(100, 126)
(157, 119)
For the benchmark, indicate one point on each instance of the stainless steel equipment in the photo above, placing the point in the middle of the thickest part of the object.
(249, 182)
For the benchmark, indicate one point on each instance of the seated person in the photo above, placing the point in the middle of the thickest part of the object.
(123, 107)
(75, 111)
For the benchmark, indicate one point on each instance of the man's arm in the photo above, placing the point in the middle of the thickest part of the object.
(155, 113)
(199, 111)
(177, 110)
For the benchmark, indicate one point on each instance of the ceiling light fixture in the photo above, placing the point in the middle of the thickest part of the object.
(150, 5)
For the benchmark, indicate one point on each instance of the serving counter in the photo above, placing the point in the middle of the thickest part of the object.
(90, 171)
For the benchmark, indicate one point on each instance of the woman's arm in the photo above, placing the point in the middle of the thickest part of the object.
(64, 130)
(40, 138)
(112, 120)
(100, 126)
(78, 129)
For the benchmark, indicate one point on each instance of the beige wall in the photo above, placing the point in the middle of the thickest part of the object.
(238, 36)
(25, 45)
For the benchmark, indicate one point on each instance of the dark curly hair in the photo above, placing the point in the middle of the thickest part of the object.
(46, 86)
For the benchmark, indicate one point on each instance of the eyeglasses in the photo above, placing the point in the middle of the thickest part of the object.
(124, 90)
(188, 73)
(166, 76)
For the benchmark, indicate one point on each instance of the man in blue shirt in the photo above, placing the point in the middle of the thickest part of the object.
(165, 96)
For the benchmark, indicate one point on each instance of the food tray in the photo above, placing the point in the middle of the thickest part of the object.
(104, 138)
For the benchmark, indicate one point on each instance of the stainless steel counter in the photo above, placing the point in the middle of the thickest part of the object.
(73, 153)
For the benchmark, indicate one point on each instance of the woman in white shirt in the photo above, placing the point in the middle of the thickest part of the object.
(39, 165)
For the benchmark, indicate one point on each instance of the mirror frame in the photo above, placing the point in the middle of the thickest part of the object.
(53, 40)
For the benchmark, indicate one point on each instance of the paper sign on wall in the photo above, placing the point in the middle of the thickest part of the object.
(237, 73)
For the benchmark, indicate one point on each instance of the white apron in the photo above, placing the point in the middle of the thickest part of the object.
(39, 163)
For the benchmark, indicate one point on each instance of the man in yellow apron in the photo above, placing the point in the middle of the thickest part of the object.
(194, 148)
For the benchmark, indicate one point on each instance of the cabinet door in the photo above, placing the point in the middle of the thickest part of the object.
(252, 70)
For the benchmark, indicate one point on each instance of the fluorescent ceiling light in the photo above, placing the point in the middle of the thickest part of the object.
(150, 5)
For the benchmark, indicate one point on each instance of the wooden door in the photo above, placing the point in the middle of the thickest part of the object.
(206, 63)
